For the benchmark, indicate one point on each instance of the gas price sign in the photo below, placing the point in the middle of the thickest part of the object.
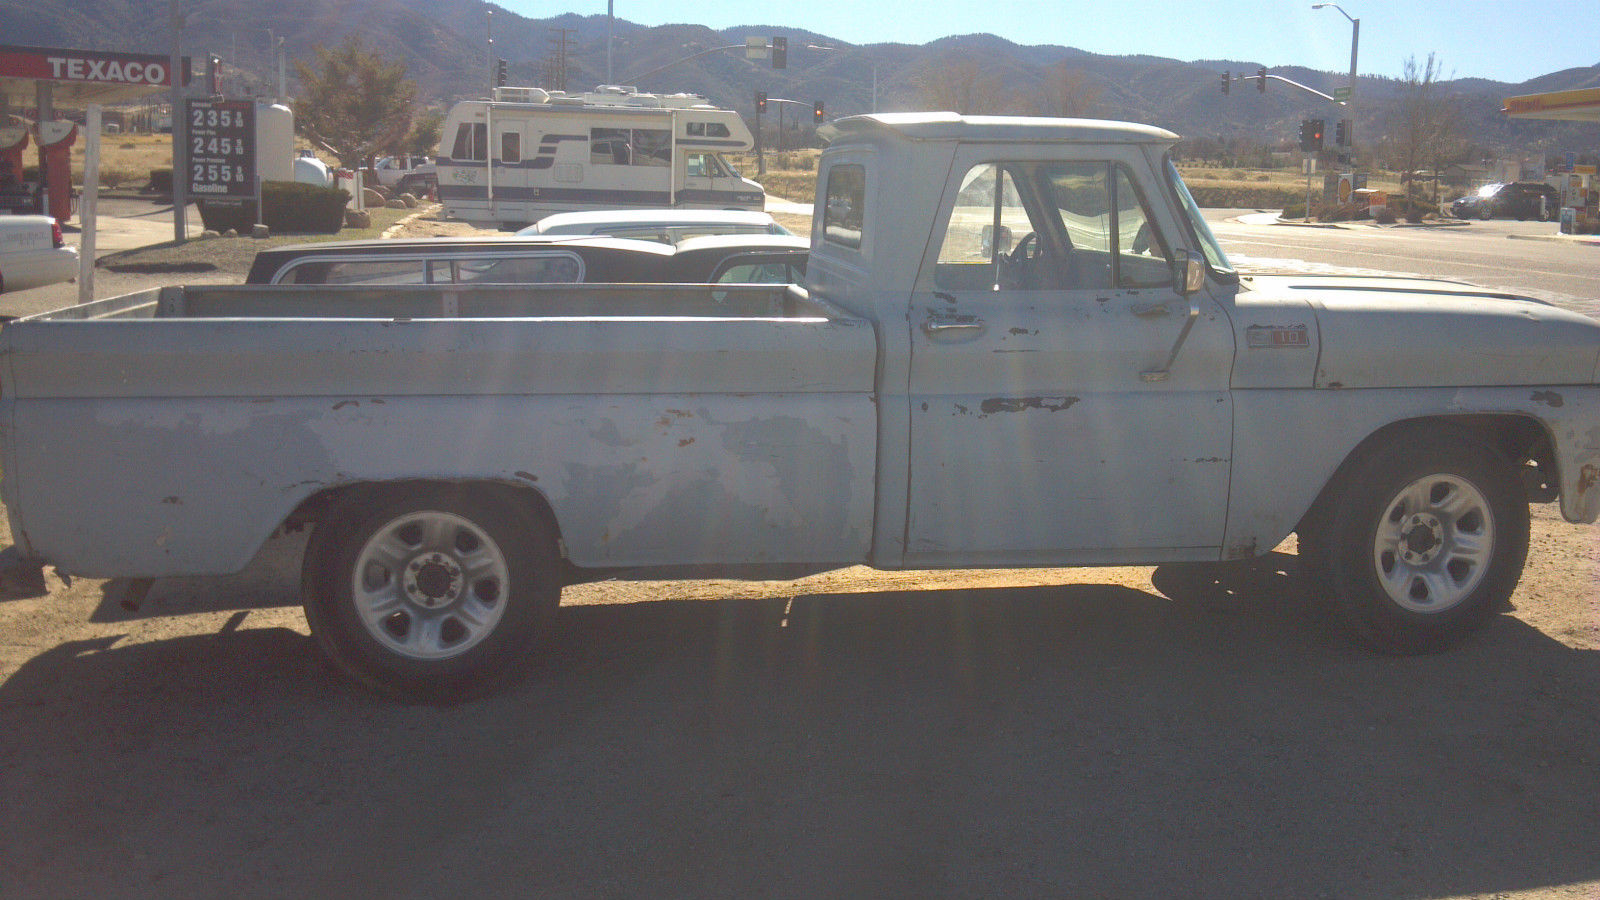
(222, 149)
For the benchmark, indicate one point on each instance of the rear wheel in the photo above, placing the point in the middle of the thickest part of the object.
(1426, 539)
(431, 593)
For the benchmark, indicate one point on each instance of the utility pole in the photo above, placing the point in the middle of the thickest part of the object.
(180, 129)
(556, 63)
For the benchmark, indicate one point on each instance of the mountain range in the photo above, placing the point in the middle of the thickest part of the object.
(446, 47)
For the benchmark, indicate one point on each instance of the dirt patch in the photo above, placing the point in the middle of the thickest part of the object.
(1065, 732)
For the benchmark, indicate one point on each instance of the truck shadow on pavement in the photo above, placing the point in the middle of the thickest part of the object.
(1069, 740)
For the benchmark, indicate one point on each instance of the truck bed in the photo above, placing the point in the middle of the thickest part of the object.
(176, 429)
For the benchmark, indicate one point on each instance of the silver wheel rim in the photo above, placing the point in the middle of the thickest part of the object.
(430, 585)
(1434, 544)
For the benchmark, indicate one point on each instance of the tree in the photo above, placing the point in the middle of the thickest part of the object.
(355, 102)
(1069, 92)
(1425, 124)
(424, 136)
(962, 86)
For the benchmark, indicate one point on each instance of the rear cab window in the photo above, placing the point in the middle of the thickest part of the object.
(844, 207)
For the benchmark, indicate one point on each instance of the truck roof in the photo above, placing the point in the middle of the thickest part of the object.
(946, 126)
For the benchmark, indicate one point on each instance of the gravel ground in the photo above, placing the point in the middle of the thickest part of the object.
(1121, 732)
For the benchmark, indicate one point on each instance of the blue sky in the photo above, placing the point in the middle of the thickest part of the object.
(1501, 40)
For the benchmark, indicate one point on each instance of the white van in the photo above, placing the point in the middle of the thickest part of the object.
(529, 153)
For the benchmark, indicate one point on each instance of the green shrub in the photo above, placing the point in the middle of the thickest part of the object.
(288, 207)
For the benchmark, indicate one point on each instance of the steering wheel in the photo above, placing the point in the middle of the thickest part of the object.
(1020, 252)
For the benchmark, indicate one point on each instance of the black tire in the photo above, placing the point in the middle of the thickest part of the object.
(431, 593)
(1424, 541)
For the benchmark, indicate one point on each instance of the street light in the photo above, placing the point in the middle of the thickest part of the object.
(874, 71)
(1355, 43)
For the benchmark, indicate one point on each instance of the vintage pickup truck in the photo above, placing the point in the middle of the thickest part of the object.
(1018, 344)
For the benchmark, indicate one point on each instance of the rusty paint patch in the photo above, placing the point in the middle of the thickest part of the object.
(1019, 404)
(1242, 550)
(1587, 476)
(1548, 398)
(172, 501)
(1024, 331)
(526, 476)
(343, 403)
(686, 442)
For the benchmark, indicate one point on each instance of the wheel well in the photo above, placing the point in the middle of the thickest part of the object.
(319, 506)
(1521, 440)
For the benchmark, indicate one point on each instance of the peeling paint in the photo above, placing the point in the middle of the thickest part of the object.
(1587, 476)
(526, 476)
(1548, 398)
(172, 500)
(1019, 404)
(343, 403)
(1024, 331)
(1242, 550)
(686, 442)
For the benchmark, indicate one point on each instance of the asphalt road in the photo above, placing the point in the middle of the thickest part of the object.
(1502, 254)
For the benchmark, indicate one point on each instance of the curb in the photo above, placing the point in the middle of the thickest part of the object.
(393, 231)
(1591, 240)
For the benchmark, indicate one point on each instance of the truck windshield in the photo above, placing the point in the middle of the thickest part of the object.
(1215, 258)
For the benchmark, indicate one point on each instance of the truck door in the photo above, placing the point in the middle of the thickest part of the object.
(1043, 428)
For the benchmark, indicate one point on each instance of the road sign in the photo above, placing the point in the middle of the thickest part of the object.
(1341, 94)
(755, 48)
(221, 151)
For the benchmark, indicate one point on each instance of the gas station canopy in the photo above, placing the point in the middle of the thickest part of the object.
(1582, 105)
(81, 77)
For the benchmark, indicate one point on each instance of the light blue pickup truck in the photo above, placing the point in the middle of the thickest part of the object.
(1017, 345)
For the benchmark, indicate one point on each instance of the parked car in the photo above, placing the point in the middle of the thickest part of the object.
(1516, 199)
(474, 260)
(33, 253)
(407, 174)
(741, 259)
(667, 226)
(734, 258)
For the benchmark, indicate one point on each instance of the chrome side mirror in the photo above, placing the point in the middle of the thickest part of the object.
(1188, 273)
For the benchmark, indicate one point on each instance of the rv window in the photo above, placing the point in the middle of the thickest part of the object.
(472, 142)
(705, 165)
(652, 147)
(608, 146)
(708, 129)
(845, 210)
(510, 146)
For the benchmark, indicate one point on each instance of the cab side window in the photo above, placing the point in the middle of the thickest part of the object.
(1048, 226)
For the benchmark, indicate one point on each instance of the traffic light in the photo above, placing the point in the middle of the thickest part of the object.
(780, 53)
(761, 102)
(500, 73)
(1226, 77)
(1311, 135)
(1261, 79)
(816, 112)
(1341, 133)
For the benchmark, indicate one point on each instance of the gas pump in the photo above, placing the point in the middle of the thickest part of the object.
(55, 167)
(13, 140)
(16, 195)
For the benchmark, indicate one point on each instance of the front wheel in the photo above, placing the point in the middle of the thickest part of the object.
(1425, 542)
(430, 593)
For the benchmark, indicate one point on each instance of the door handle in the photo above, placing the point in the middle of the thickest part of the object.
(954, 326)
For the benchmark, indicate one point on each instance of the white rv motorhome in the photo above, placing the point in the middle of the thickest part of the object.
(529, 153)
